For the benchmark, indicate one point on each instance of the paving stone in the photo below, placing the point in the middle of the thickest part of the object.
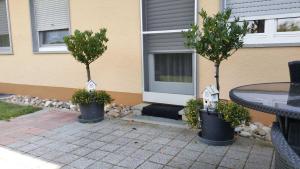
(40, 151)
(52, 155)
(150, 165)
(94, 136)
(83, 151)
(95, 144)
(97, 155)
(210, 158)
(161, 140)
(119, 133)
(177, 143)
(130, 162)
(180, 163)
(168, 167)
(114, 158)
(118, 167)
(262, 150)
(108, 138)
(232, 163)
(122, 141)
(126, 150)
(66, 158)
(196, 146)
(83, 141)
(28, 147)
(18, 144)
(145, 137)
(250, 165)
(67, 167)
(142, 154)
(216, 150)
(152, 147)
(110, 147)
(68, 148)
(239, 155)
(161, 158)
(100, 165)
(201, 165)
(259, 159)
(131, 135)
(82, 163)
(189, 154)
(170, 150)
(136, 143)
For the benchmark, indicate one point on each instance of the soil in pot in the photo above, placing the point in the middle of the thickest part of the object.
(91, 113)
(215, 131)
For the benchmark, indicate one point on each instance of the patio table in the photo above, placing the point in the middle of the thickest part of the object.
(283, 100)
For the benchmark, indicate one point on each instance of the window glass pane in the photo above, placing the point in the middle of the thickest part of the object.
(4, 41)
(53, 37)
(173, 67)
(288, 25)
(255, 26)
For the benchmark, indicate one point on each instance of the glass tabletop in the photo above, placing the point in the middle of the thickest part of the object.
(280, 98)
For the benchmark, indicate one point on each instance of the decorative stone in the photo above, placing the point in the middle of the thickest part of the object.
(245, 134)
(48, 103)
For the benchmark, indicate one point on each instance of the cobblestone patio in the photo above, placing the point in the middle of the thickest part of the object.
(118, 144)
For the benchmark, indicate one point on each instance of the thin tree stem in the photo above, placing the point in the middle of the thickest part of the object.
(217, 66)
(88, 72)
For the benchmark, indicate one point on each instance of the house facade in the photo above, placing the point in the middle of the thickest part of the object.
(146, 60)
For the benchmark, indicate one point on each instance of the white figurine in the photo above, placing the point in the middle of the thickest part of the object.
(91, 86)
(210, 97)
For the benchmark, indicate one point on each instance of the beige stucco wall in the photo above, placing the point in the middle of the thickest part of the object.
(118, 70)
(120, 67)
(248, 65)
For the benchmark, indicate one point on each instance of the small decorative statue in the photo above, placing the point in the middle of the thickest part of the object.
(210, 98)
(91, 86)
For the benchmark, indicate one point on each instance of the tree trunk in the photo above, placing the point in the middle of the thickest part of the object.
(217, 66)
(88, 72)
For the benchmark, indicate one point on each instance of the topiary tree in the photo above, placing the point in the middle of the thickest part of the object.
(86, 47)
(219, 38)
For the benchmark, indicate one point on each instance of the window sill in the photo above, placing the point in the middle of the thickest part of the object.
(6, 51)
(272, 40)
(53, 49)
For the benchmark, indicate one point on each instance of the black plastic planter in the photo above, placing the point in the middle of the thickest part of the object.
(215, 131)
(91, 113)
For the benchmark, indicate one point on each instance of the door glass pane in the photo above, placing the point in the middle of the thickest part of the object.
(173, 67)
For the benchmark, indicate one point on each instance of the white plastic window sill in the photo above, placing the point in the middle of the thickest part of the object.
(53, 49)
(5, 51)
(270, 40)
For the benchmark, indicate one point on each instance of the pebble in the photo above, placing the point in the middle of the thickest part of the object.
(112, 110)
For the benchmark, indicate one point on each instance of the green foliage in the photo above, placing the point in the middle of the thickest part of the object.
(233, 113)
(85, 97)
(192, 112)
(9, 110)
(218, 39)
(86, 47)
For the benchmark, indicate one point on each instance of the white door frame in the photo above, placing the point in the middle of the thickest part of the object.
(175, 99)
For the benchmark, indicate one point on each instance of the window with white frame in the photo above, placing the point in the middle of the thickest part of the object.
(271, 23)
(50, 24)
(5, 43)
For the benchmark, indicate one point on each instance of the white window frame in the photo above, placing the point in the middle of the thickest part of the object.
(59, 48)
(176, 99)
(271, 37)
(7, 50)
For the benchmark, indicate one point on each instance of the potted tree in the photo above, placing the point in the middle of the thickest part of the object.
(219, 38)
(86, 47)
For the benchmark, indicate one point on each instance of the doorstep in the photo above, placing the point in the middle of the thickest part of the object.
(138, 117)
